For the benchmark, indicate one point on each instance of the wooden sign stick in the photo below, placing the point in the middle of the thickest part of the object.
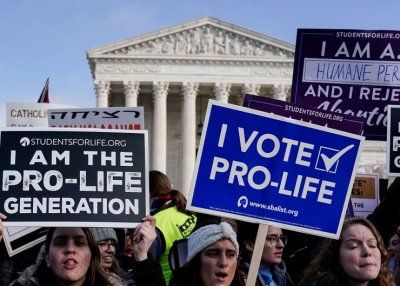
(257, 253)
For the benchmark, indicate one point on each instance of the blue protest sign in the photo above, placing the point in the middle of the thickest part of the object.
(266, 168)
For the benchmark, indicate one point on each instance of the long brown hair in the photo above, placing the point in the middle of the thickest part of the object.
(328, 259)
(159, 183)
(95, 275)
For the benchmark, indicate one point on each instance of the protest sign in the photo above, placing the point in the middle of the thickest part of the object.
(18, 238)
(266, 168)
(24, 114)
(80, 177)
(365, 194)
(348, 71)
(324, 118)
(393, 141)
(130, 118)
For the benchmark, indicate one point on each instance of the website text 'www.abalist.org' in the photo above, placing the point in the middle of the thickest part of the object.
(271, 207)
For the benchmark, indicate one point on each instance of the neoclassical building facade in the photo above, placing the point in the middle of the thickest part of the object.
(173, 72)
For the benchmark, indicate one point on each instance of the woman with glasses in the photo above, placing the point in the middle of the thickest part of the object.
(107, 241)
(272, 271)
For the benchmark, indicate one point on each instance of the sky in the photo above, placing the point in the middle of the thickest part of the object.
(41, 38)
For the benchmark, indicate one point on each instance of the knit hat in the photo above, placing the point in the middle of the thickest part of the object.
(207, 235)
(103, 233)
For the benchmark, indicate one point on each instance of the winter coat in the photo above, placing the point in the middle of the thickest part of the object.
(279, 274)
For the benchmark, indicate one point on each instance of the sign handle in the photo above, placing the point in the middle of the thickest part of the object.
(257, 253)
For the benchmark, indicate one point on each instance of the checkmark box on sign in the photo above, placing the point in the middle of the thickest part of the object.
(328, 158)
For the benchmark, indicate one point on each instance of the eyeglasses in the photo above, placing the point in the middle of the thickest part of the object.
(273, 239)
(104, 245)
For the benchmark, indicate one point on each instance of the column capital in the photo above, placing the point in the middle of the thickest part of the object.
(251, 88)
(222, 90)
(102, 87)
(160, 89)
(131, 87)
(190, 89)
(280, 91)
(131, 91)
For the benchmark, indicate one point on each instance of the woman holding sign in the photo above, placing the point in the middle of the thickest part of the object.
(357, 258)
(71, 258)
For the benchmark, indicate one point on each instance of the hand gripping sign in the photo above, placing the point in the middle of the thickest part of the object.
(266, 168)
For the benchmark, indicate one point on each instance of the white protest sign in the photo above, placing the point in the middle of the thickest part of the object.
(25, 114)
(365, 194)
(129, 118)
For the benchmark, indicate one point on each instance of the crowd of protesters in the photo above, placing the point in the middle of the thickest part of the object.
(219, 251)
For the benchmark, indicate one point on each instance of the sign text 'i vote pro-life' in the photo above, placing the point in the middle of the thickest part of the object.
(261, 167)
(85, 177)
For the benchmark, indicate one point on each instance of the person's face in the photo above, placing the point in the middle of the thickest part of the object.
(128, 242)
(69, 255)
(273, 247)
(218, 263)
(107, 253)
(359, 254)
(394, 247)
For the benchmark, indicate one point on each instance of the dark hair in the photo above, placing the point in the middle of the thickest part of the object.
(328, 260)
(159, 183)
(247, 233)
(94, 276)
(189, 274)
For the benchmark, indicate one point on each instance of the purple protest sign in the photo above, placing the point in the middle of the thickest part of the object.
(352, 72)
(333, 120)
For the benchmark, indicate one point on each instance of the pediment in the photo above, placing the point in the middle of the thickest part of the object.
(206, 37)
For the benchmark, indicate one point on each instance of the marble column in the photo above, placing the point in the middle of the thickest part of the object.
(131, 91)
(280, 91)
(188, 149)
(222, 91)
(251, 88)
(159, 159)
(102, 89)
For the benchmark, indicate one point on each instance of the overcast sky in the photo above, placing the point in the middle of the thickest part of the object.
(41, 38)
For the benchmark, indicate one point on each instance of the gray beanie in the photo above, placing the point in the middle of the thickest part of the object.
(207, 235)
(103, 233)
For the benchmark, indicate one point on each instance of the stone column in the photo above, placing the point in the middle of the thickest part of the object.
(131, 91)
(102, 89)
(188, 149)
(222, 91)
(251, 88)
(159, 159)
(280, 91)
